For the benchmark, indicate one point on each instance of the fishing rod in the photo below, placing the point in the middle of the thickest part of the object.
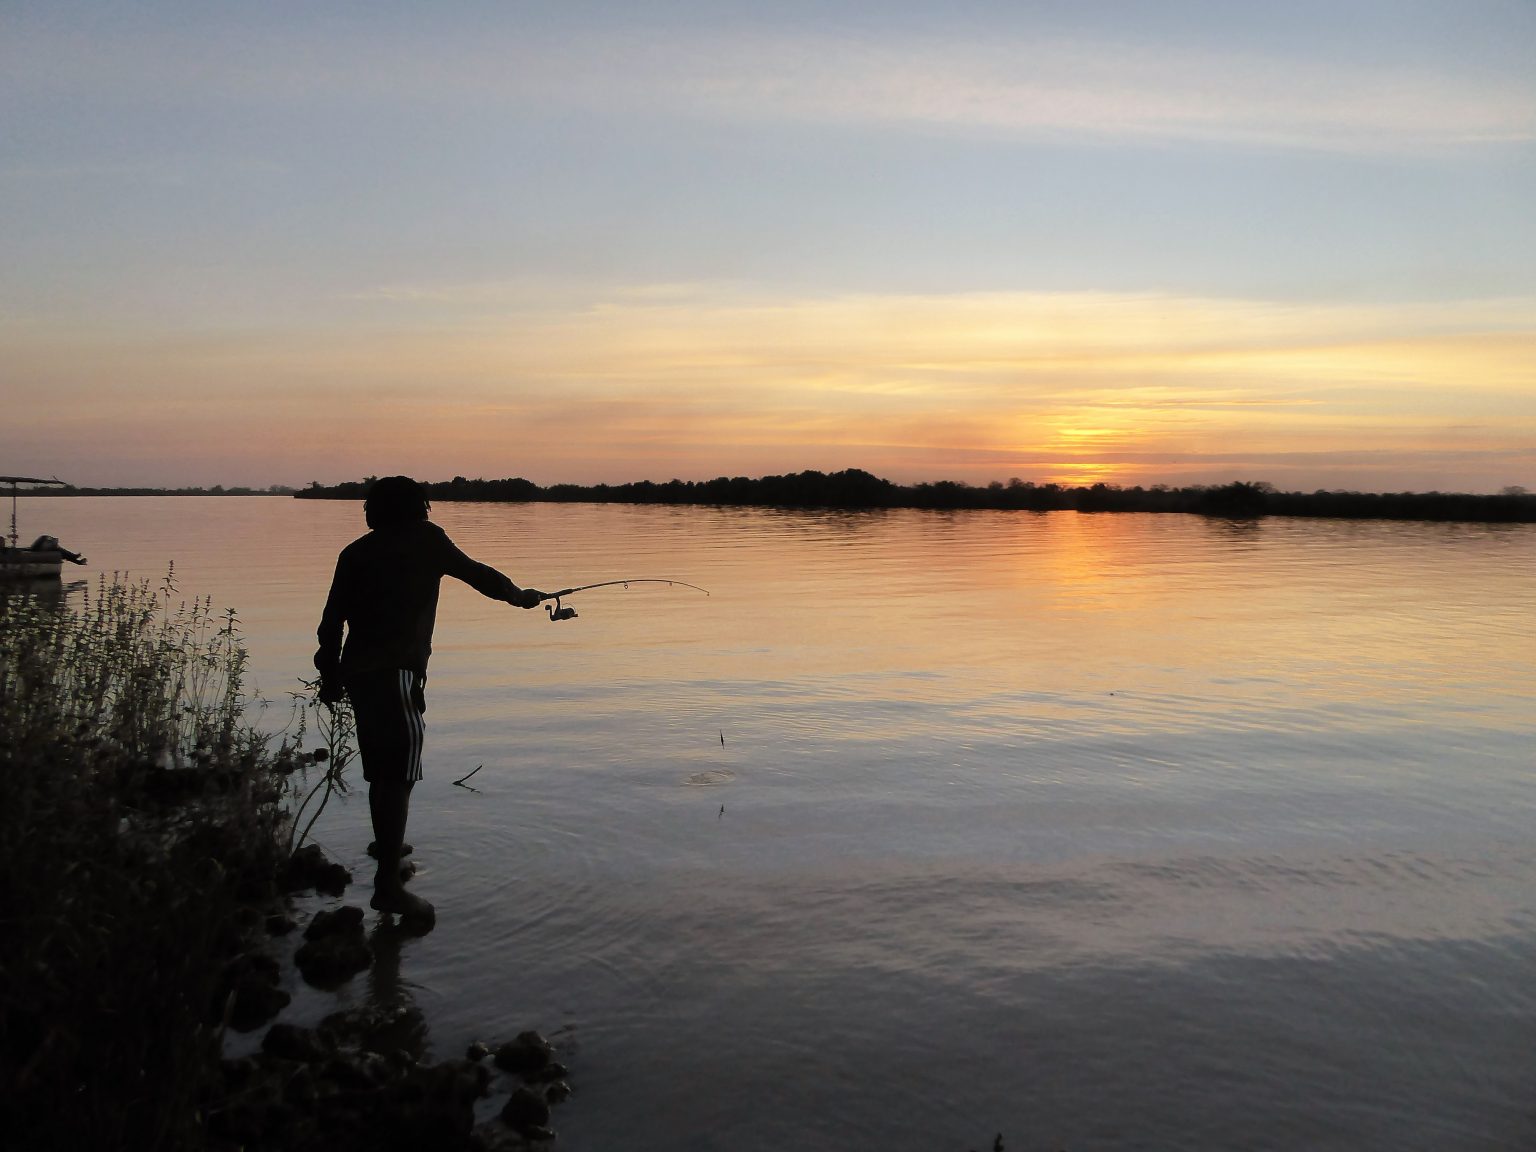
(557, 612)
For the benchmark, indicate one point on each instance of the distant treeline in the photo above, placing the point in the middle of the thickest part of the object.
(854, 488)
(216, 490)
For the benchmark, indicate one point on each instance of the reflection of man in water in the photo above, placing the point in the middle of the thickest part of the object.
(385, 594)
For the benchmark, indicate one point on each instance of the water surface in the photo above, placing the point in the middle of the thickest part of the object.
(1104, 832)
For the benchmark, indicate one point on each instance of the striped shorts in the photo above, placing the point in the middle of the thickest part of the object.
(387, 705)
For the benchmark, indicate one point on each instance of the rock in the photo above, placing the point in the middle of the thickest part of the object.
(477, 1051)
(290, 1042)
(524, 1055)
(332, 880)
(280, 924)
(494, 1136)
(554, 1070)
(357, 1071)
(558, 1092)
(255, 1004)
(382, 1107)
(379, 1029)
(330, 960)
(346, 920)
(335, 948)
(525, 1110)
(417, 922)
(256, 965)
(473, 1080)
(448, 1090)
(250, 991)
(309, 868)
(328, 1089)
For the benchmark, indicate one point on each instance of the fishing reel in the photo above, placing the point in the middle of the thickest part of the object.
(557, 613)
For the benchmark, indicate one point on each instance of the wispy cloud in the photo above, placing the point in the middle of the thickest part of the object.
(1102, 90)
(1038, 87)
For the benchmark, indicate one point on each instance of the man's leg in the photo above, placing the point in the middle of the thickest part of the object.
(389, 740)
(389, 803)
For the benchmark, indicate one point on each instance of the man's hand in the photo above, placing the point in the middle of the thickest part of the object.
(528, 598)
(329, 668)
(330, 689)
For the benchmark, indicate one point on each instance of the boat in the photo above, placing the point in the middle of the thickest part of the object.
(45, 557)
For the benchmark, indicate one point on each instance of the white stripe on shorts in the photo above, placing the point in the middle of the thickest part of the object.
(414, 725)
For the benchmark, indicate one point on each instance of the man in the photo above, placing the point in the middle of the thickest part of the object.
(384, 595)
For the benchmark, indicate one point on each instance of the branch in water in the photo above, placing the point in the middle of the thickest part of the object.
(460, 781)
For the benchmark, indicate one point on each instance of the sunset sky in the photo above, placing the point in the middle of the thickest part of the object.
(1139, 241)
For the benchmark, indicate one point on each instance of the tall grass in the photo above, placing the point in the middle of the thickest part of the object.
(140, 818)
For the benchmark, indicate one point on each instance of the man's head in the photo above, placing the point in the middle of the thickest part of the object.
(395, 500)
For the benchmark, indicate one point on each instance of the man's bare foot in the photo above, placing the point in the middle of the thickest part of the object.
(402, 904)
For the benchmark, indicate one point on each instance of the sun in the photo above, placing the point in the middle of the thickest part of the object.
(1079, 454)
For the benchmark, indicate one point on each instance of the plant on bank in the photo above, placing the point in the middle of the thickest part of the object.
(337, 729)
(144, 819)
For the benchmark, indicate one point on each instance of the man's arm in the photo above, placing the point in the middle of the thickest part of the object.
(485, 579)
(332, 620)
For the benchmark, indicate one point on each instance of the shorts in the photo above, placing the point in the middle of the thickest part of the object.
(387, 705)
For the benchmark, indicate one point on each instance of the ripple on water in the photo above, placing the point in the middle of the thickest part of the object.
(710, 778)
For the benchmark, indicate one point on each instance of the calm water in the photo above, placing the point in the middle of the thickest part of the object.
(1103, 832)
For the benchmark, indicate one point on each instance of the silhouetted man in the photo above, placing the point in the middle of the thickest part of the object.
(384, 595)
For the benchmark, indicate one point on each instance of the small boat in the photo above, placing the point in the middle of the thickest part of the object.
(45, 557)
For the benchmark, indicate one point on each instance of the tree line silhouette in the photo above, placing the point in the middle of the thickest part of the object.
(854, 488)
(216, 490)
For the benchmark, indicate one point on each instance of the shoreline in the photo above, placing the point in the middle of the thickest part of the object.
(855, 490)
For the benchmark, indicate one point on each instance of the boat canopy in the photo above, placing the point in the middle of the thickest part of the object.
(13, 483)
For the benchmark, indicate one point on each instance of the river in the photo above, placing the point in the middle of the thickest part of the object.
(1099, 831)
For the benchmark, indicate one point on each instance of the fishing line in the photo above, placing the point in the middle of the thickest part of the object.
(557, 612)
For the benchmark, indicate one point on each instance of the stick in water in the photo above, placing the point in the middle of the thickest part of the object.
(460, 781)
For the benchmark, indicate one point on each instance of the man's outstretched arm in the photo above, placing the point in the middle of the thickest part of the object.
(487, 580)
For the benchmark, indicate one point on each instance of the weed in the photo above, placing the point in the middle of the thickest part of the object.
(143, 818)
(338, 734)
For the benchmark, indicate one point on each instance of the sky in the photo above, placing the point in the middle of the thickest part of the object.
(1130, 241)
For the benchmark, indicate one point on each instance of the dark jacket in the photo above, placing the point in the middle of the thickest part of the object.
(385, 593)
